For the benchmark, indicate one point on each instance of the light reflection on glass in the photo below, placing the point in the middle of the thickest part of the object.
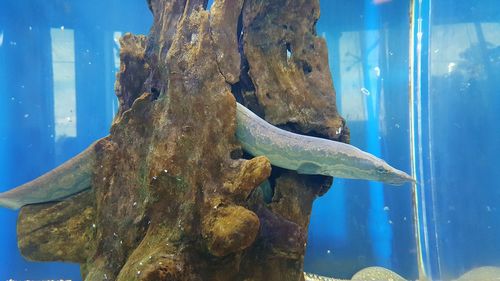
(63, 68)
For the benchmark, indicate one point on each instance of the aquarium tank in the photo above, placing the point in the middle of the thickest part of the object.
(416, 81)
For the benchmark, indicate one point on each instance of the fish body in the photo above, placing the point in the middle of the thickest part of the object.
(305, 154)
(71, 177)
(311, 155)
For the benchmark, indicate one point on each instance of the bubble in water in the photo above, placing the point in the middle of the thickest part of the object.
(365, 91)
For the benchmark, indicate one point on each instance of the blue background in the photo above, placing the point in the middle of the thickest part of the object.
(444, 127)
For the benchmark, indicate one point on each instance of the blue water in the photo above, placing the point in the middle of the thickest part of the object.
(58, 62)
(33, 73)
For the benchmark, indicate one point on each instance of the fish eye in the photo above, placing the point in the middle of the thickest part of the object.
(381, 170)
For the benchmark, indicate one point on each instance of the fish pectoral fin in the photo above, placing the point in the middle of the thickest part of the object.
(309, 168)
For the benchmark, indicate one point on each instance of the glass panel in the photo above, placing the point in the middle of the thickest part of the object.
(359, 223)
(464, 135)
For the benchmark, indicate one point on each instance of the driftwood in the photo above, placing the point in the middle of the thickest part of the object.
(173, 196)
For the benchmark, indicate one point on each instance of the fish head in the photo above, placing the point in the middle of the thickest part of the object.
(387, 174)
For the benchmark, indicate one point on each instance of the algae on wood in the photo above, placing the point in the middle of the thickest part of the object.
(172, 196)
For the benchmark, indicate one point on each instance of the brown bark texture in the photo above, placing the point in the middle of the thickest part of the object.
(173, 196)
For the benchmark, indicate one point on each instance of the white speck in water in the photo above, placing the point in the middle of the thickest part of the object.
(93, 225)
(390, 221)
(166, 172)
(155, 178)
(391, 53)
(68, 119)
(12, 98)
(135, 204)
(328, 251)
(1, 38)
(449, 221)
(26, 115)
(451, 67)
(288, 54)
(114, 234)
(386, 208)
(404, 218)
(62, 27)
(397, 125)
(22, 86)
(365, 91)
(436, 51)
(105, 276)
(121, 242)
(51, 136)
(488, 208)
(138, 272)
(140, 263)
(377, 71)
(30, 27)
(13, 43)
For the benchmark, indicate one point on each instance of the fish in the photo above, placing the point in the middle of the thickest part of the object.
(304, 154)
(70, 178)
(311, 155)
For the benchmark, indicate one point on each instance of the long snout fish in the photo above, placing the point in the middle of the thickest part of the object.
(304, 154)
